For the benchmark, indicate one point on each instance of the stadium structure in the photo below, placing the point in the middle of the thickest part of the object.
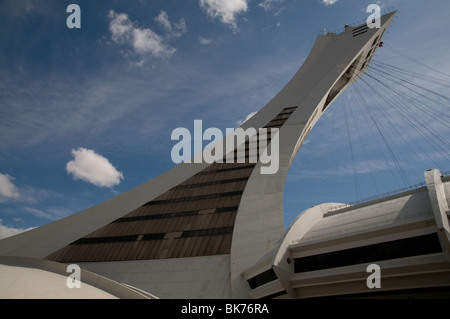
(216, 230)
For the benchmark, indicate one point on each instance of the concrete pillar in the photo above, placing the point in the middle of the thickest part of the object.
(436, 192)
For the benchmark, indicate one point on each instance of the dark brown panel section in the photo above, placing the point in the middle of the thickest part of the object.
(195, 218)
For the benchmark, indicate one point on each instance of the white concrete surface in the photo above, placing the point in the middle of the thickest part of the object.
(335, 61)
(333, 64)
(29, 283)
(178, 278)
(321, 230)
(28, 278)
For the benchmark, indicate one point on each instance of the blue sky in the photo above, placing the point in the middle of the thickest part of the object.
(86, 114)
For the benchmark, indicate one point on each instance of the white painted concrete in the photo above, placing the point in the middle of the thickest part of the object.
(321, 230)
(28, 278)
(180, 278)
(259, 222)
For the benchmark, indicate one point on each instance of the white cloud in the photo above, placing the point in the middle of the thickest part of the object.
(346, 170)
(144, 41)
(246, 119)
(269, 4)
(180, 28)
(52, 213)
(8, 231)
(7, 189)
(204, 41)
(93, 168)
(225, 10)
(329, 2)
(38, 213)
(175, 30)
(163, 20)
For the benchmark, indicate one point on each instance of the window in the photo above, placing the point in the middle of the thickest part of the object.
(360, 30)
(105, 240)
(193, 198)
(341, 82)
(207, 232)
(156, 216)
(281, 118)
(225, 181)
(223, 170)
(376, 40)
(364, 65)
(415, 246)
(263, 278)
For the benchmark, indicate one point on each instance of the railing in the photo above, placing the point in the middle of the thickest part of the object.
(397, 191)
(372, 198)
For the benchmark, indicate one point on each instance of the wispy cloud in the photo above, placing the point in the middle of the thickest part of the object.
(225, 10)
(38, 213)
(93, 168)
(204, 41)
(9, 192)
(271, 5)
(24, 8)
(346, 170)
(329, 2)
(7, 188)
(49, 213)
(172, 29)
(144, 41)
(32, 114)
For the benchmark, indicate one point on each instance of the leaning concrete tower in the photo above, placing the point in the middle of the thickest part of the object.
(189, 233)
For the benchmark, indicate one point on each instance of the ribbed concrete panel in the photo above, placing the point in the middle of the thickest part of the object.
(195, 218)
(198, 209)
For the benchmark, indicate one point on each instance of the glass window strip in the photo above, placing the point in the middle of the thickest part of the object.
(262, 279)
(154, 236)
(172, 215)
(192, 198)
(408, 247)
(226, 181)
(207, 232)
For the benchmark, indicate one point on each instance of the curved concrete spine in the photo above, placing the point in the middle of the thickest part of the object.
(335, 61)
(333, 64)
